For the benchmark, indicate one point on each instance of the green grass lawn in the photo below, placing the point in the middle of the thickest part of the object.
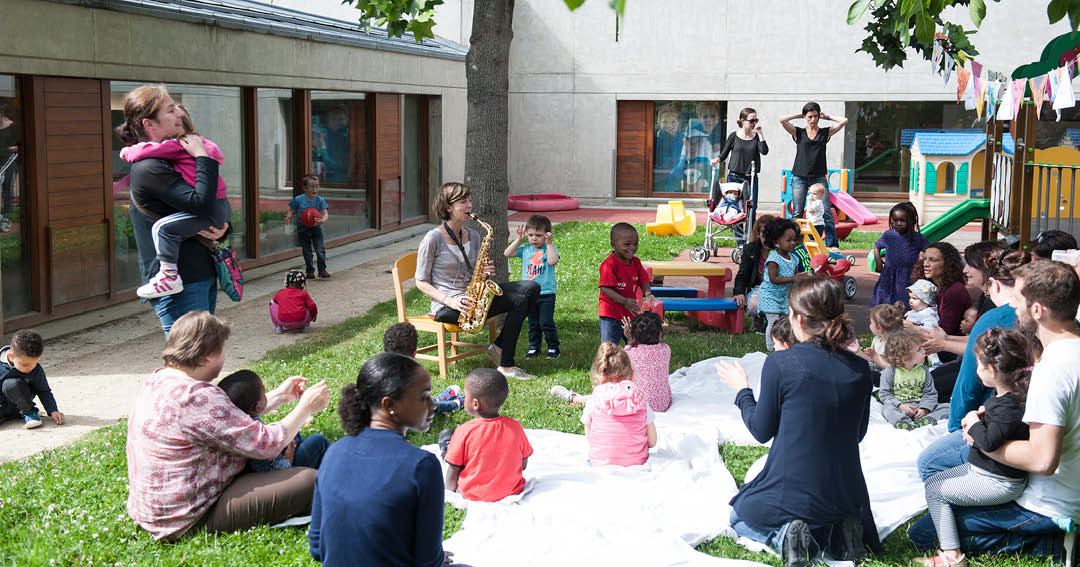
(66, 507)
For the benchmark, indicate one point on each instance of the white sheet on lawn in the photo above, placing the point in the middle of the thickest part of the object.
(655, 513)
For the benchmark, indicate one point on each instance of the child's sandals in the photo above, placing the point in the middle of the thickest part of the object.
(939, 560)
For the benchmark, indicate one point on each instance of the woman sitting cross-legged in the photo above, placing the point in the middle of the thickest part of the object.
(378, 498)
(187, 443)
(814, 404)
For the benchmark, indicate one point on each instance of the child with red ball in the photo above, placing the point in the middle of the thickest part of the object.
(309, 226)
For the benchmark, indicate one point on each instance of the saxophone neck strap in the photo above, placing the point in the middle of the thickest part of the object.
(457, 240)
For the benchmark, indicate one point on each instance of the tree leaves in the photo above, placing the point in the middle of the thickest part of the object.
(977, 8)
(573, 4)
(399, 16)
(854, 12)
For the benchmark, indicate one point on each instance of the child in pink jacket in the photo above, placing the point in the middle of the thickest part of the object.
(618, 421)
(169, 231)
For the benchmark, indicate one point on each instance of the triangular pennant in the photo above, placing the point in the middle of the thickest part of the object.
(980, 96)
(969, 96)
(1005, 106)
(950, 64)
(1063, 94)
(1017, 88)
(991, 96)
(962, 76)
(935, 59)
(976, 68)
(1038, 91)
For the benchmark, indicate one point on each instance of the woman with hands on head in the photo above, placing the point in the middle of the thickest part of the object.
(810, 165)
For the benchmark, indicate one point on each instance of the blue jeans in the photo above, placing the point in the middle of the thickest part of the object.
(311, 451)
(941, 455)
(543, 317)
(799, 186)
(1005, 528)
(772, 538)
(751, 208)
(611, 330)
(311, 239)
(197, 296)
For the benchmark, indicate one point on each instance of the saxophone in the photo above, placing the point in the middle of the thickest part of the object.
(481, 289)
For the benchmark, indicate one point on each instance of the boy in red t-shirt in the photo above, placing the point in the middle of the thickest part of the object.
(487, 455)
(621, 275)
(292, 308)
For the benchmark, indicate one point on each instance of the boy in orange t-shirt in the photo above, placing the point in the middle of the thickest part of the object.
(487, 455)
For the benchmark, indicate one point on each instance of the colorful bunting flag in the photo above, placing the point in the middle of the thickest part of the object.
(935, 59)
(969, 96)
(1005, 104)
(1017, 88)
(962, 76)
(980, 96)
(1062, 94)
(950, 64)
(976, 69)
(1038, 91)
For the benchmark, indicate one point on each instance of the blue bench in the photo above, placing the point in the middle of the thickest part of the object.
(699, 304)
(661, 291)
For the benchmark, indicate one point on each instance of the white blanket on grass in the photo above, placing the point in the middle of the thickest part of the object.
(654, 514)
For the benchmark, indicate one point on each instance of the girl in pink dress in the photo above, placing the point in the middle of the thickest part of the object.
(618, 421)
(650, 359)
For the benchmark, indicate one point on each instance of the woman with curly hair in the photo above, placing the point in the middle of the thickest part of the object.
(378, 498)
(942, 265)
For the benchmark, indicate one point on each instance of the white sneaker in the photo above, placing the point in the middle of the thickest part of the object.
(515, 372)
(563, 393)
(161, 285)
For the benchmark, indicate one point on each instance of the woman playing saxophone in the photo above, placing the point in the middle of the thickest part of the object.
(447, 262)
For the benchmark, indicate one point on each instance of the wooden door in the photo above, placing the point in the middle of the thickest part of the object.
(633, 149)
(73, 175)
(387, 132)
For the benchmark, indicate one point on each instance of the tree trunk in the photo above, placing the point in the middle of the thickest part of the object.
(487, 73)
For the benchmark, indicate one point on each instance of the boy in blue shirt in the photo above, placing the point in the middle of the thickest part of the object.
(311, 237)
(538, 259)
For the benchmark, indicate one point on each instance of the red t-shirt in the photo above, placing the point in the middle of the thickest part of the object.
(625, 278)
(292, 302)
(490, 452)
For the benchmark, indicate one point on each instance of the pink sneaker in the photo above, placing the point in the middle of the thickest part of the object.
(161, 285)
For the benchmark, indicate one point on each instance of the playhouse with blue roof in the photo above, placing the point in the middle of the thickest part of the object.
(946, 167)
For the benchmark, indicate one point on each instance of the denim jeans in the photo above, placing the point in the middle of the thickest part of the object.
(1005, 528)
(772, 538)
(543, 317)
(751, 208)
(311, 451)
(799, 186)
(197, 296)
(941, 455)
(312, 239)
(611, 330)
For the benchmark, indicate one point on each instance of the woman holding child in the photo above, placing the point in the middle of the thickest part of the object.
(444, 268)
(814, 404)
(157, 189)
(187, 443)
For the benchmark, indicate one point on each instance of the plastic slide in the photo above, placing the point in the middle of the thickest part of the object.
(951, 221)
(852, 208)
(955, 218)
(672, 219)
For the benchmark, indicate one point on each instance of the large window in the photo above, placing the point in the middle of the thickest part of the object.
(882, 156)
(412, 158)
(275, 155)
(216, 115)
(686, 135)
(14, 249)
(340, 157)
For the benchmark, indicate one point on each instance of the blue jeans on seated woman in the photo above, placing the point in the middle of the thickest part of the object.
(197, 296)
(1005, 528)
(941, 455)
(773, 538)
(799, 187)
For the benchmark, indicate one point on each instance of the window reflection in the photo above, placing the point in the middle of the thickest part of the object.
(14, 250)
(686, 136)
(275, 173)
(339, 156)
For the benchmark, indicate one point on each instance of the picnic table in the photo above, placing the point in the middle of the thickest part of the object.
(712, 309)
(717, 276)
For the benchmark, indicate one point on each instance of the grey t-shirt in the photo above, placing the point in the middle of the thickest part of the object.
(441, 264)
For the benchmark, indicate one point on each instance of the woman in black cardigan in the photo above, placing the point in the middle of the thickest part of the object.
(814, 404)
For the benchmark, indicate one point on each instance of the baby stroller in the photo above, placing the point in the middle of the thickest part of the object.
(725, 222)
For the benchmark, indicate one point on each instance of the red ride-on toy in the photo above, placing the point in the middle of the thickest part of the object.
(837, 269)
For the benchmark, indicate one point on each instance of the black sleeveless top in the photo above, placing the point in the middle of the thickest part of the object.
(810, 154)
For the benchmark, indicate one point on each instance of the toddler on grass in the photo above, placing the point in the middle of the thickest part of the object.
(621, 276)
(292, 308)
(485, 456)
(908, 396)
(618, 422)
(22, 379)
(403, 339)
(781, 237)
(538, 258)
(245, 389)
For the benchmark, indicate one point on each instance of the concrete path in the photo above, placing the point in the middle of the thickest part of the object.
(96, 362)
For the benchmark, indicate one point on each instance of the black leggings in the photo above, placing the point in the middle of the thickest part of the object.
(518, 299)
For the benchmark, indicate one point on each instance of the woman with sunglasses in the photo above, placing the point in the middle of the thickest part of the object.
(745, 146)
(810, 166)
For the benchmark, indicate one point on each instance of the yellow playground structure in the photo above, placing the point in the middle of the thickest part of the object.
(672, 219)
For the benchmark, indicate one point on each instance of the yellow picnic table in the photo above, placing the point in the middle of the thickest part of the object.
(717, 276)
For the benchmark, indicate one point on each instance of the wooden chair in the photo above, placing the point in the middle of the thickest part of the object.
(405, 270)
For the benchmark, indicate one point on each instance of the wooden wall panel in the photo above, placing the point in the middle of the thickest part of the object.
(387, 131)
(634, 133)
